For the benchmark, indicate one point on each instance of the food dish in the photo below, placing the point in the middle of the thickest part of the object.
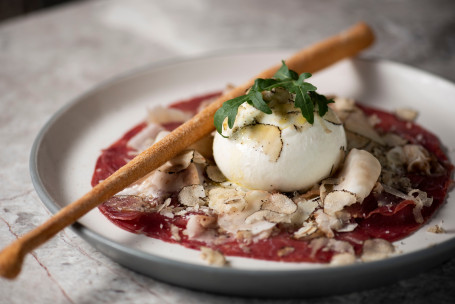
(376, 82)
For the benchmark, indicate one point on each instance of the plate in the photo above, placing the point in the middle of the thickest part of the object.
(66, 149)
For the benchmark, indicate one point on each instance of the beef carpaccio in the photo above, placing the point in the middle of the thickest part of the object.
(189, 202)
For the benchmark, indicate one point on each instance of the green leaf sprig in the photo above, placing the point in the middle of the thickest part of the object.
(306, 98)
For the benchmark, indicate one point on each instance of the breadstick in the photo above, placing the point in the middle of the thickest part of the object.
(311, 59)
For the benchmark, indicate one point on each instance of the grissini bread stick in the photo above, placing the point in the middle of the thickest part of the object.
(312, 59)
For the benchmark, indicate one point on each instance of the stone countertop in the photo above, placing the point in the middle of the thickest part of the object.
(49, 58)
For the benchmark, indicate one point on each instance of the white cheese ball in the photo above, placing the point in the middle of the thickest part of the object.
(280, 151)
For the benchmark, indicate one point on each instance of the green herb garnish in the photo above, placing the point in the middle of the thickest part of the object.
(306, 98)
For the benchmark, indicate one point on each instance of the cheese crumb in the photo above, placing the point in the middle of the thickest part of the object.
(213, 257)
(436, 229)
(341, 259)
(376, 249)
(175, 233)
(409, 115)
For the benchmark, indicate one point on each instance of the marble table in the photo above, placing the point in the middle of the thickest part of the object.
(50, 57)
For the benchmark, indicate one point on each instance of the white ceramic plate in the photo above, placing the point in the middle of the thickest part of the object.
(64, 155)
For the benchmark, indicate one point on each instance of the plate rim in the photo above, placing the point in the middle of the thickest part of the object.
(441, 251)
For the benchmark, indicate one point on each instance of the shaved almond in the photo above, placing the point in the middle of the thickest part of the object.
(376, 249)
(310, 194)
(306, 230)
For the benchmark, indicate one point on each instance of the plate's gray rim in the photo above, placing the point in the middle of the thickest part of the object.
(441, 251)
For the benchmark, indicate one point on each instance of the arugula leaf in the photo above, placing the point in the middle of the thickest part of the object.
(229, 110)
(284, 73)
(321, 102)
(306, 98)
(262, 84)
(259, 103)
(304, 103)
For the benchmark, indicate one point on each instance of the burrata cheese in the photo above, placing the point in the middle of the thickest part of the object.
(279, 151)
